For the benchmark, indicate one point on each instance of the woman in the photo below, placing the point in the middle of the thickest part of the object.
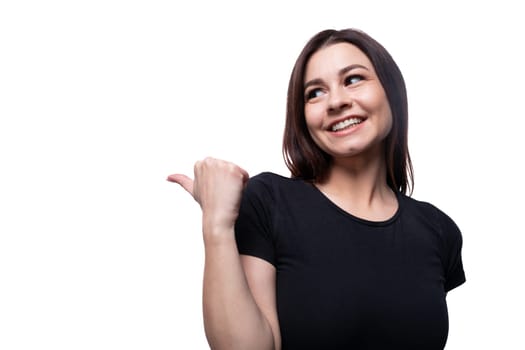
(337, 256)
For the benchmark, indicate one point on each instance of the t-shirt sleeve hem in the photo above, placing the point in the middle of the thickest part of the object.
(454, 284)
(264, 257)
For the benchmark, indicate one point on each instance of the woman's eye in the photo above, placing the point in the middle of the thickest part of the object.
(313, 94)
(352, 79)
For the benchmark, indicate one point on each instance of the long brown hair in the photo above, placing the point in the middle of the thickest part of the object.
(302, 155)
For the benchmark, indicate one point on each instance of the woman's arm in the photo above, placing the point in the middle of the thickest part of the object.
(261, 280)
(239, 312)
(238, 300)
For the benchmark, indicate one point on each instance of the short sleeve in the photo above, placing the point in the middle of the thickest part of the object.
(453, 263)
(253, 228)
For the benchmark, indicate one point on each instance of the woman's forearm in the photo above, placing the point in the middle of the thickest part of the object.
(232, 319)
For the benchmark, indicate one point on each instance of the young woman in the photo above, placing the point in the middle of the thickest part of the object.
(337, 256)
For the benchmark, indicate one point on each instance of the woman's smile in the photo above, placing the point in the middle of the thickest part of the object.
(346, 124)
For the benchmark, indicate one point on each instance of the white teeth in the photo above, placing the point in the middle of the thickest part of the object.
(346, 123)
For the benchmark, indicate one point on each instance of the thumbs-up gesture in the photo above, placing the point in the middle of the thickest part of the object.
(217, 187)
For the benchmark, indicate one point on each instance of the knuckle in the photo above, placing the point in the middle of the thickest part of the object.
(197, 166)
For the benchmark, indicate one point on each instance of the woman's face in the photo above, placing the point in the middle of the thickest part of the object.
(346, 109)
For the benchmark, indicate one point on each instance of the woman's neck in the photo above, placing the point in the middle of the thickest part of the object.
(359, 186)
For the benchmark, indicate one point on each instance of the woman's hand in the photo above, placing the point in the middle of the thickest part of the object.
(217, 187)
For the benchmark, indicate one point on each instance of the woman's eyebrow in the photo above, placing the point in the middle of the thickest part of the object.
(342, 71)
(347, 69)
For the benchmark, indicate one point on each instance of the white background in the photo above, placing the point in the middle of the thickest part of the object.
(101, 100)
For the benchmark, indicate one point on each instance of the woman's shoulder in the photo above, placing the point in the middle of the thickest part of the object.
(271, 180)
(421, 206)
(273, 184)
(430, 213)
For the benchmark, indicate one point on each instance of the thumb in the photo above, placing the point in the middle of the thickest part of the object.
(183, 181)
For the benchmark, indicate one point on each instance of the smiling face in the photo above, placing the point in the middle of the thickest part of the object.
(346, 108)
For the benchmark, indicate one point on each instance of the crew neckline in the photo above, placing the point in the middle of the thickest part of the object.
(351, 216)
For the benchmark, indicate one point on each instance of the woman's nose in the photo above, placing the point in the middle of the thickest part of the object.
(338, 99)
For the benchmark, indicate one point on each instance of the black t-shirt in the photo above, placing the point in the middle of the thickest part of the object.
(348, 283)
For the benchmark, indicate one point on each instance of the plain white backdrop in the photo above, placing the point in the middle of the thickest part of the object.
(101, 100)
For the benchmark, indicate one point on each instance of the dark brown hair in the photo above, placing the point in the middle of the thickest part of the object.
(302, 155)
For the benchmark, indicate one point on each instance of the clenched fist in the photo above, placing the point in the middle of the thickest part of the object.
(217, 187)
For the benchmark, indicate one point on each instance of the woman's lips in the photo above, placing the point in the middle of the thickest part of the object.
(346, 123)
